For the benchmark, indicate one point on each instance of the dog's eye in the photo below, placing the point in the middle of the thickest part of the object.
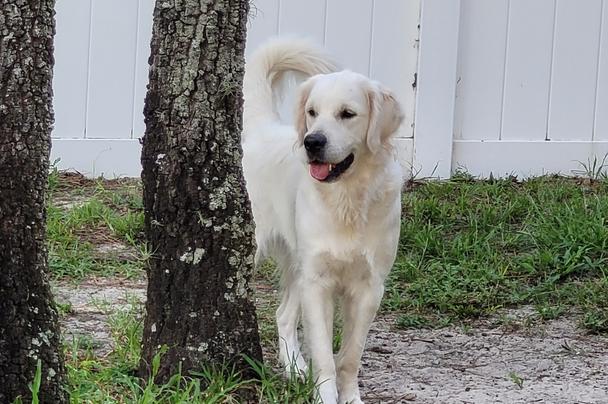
(312, 112)
(347, 114)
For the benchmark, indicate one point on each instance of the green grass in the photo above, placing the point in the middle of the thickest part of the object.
(79, 219)
(469, 248)
(112, 379)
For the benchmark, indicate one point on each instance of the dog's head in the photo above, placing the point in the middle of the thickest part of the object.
(342, 117)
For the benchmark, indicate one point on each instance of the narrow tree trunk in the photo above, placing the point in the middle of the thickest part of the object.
(198, 220)
(29, 328)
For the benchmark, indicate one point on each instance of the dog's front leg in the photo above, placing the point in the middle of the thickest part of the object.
(317, 316)
(361, 302)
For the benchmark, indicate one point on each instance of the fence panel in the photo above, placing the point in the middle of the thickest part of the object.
(112, 69)
(71, 75)
(575, 63)
(481, 68)
(601, 108)
(528, 70)
(102, 49)
(531, 93)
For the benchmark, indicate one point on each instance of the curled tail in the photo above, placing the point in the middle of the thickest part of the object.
(268, 62)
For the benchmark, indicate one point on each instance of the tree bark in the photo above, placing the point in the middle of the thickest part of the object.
(197, 216)
(29, 329)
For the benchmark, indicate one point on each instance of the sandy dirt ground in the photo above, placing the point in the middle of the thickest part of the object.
(551, 362)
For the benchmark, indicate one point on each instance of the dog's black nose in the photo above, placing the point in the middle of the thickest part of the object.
(315, 142)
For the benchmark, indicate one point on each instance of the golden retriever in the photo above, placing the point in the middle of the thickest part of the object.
(325, 194)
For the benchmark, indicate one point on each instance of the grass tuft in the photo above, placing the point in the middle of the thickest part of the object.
(93, 230)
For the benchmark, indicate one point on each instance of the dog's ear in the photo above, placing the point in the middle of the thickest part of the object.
(300, 112)
(385, 116)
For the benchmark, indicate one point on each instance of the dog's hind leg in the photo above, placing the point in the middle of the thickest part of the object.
(288, 317)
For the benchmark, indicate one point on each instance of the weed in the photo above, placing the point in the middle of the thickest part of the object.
(53, 178)
(547, 311)
(63, 308)
(35, 385)
(413, 321)
(596, 321)
(594, 170)
(516, 379)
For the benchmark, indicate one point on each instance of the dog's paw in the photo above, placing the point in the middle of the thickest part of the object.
(328, 393)
(352, 397)
(353, 401)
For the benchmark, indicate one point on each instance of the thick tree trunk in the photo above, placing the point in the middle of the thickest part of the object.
(29, 329)
(198, 220)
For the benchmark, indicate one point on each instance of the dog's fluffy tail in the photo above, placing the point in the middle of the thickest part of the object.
(268, 63)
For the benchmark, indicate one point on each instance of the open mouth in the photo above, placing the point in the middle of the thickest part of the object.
(327, 172)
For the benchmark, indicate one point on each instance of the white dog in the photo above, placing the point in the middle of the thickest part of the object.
(325, 195)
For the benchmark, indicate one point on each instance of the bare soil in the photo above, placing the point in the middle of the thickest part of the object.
(546, 362)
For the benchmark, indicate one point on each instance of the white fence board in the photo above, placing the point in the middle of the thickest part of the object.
(481, 68)
(601, 108)
(528, 70)
(297, 17)
(575, 61)
(112, 69)
(263, 22)
(70, 78)
(347, 32)
(550, 107)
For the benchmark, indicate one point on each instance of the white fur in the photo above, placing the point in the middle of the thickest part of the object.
(331, 241)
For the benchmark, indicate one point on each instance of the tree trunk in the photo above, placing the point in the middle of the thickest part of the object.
(198, 221)
(29, 329)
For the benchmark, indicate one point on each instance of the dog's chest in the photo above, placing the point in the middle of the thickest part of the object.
(346, 224)
(342, 244)
(337, 241)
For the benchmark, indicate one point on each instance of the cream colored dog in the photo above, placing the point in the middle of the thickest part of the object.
(325, 194)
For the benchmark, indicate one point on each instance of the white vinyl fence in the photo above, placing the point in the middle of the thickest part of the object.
(526, 82)
(503, 86)
(102, 49)
(101, 72)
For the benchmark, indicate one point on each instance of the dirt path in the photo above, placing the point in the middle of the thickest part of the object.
(554, 362)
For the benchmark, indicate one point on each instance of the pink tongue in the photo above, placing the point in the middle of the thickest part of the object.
(319, 171)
